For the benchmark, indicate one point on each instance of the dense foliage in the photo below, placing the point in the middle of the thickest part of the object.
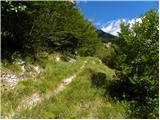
(46, 26)
(137, 60)
(14, 28)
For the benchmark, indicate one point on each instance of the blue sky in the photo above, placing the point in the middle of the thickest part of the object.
(102, 13)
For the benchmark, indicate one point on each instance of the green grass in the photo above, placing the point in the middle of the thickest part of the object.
(100, 67)
(80, 100)
(54, 73)
(11, 67)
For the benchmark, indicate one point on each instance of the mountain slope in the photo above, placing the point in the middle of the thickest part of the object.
(106, 37)
(82, 98)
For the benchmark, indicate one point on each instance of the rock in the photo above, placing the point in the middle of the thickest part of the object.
(8, 75)
(108, 45)
(37, 69)
(13, 76)
(72, 60)
(23, 68)
(57, 58)
(10, 79)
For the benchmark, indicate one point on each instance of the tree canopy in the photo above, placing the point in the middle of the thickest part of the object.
(137, 59)
(46, 26)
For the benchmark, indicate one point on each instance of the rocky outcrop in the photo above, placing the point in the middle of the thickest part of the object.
(11, 79)
(31, 101)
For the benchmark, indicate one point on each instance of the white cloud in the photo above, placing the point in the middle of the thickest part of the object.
(113, 27)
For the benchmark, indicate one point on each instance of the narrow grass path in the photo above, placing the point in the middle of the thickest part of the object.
(35, 98)
(53, 74)
(80, 100)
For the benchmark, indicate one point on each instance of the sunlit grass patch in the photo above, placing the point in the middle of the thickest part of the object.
(79, 100)
(49, 79)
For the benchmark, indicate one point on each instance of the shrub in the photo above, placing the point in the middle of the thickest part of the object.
(137, 61)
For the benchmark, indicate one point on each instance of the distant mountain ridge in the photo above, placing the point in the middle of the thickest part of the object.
(106, 37)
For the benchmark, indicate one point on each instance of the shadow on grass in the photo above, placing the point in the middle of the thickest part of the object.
(114, 88)
(98, 79)
(124, 90)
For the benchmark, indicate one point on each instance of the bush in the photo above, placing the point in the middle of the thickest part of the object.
(98, 79)
(137, 61)
(15, 56)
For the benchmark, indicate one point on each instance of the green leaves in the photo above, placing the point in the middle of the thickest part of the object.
(137, 58)
(46, 26)
(60, 26)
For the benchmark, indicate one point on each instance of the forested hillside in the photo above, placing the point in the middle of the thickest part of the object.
(107, 37)
(56, 64)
